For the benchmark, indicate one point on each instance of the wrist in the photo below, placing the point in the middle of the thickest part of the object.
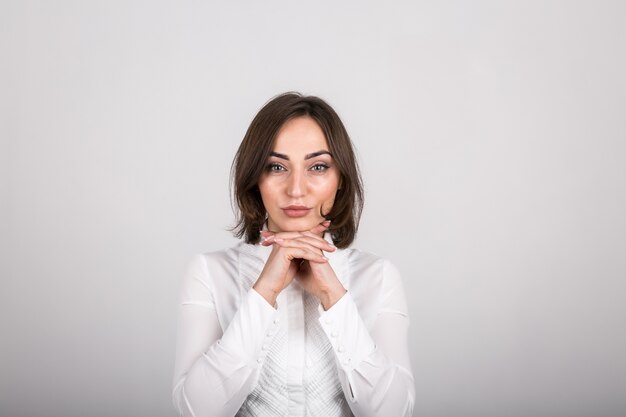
(266, 292)
(330, 297)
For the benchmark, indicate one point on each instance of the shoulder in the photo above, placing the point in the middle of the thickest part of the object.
(377, 272)
(219, 256)
(375, 284)
(212, 280)
(197, 285)
(219, 261)
(369, 263)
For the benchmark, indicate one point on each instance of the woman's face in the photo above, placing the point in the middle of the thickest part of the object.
(300, 178)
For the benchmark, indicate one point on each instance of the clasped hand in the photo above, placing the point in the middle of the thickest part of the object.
(299, 255)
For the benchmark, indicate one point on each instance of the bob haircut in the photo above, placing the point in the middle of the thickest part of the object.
(251, 158)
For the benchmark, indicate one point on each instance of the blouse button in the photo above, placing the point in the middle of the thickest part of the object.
(259, 360)
(328, 321)
(334, 333)
(269, 334)
(341, 349)
(264, 347)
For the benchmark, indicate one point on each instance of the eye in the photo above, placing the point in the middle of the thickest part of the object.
(275, 167)
(319, 167)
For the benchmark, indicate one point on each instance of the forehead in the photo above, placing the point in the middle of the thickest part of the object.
(300, 135)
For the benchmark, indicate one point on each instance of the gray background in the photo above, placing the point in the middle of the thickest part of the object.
(491, 136)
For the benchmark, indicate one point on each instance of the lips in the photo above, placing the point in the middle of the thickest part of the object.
(296, 211)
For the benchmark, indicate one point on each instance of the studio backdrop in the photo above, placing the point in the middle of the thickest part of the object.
(491, 136)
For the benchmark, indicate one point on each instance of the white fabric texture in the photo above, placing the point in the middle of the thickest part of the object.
(237, 355)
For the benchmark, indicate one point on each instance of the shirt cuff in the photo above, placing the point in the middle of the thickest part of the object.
(347, 332)
(252, 329)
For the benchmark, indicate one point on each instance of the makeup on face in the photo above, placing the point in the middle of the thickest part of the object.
(300, 179)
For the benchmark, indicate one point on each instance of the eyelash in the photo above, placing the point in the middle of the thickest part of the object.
(271, 167)
(274, 167)
(319, 165)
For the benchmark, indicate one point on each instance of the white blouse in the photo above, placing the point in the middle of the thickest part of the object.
(237, 355)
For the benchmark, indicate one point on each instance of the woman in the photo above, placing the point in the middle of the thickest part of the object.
(291, 322)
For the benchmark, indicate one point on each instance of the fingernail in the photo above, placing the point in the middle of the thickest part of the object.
(279, 240)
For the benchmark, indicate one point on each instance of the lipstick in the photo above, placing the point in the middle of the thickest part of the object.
(296, 211)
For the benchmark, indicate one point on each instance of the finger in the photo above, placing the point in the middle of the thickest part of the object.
(286, 235)
(297, 235)
(311, 240)
(294, 243)
(321, 239)
(294, 248)
(315, 241)
(317, 230)
(267, 241)
(303, 253)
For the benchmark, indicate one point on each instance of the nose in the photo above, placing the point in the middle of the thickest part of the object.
(296, 186)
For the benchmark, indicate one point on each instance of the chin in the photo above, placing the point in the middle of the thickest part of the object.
(298, 224)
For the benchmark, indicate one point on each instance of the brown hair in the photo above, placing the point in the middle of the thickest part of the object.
(256, 147)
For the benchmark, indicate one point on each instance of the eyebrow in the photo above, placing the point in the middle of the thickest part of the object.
(307, 156)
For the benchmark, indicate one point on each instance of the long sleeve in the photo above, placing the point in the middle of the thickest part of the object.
(374, 367)
(215, 370)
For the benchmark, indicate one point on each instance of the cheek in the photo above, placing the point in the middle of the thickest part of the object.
(267, 192)
(327, 191)
(330, 194)
(327, 202)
